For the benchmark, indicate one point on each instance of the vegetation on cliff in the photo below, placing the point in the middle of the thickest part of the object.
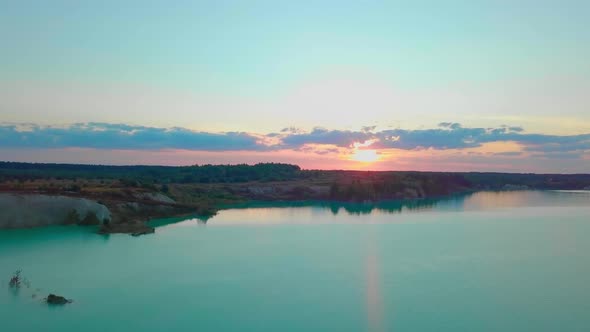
(134, 176)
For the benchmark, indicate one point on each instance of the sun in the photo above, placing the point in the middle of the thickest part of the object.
(362, 154)
(365, 156)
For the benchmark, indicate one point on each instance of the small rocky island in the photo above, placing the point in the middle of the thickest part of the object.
(57, 300)
(17, 281)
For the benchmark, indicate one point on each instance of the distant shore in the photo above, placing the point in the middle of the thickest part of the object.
(122, 198)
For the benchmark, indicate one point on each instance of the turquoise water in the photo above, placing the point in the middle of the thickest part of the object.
(511, 261)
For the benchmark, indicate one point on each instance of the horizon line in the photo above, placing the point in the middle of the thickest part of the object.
(301, 168)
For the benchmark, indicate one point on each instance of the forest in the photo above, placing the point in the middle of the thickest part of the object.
(272, 181)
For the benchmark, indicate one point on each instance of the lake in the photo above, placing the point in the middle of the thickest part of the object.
(491, 261)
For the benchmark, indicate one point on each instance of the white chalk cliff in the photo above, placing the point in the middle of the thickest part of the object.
(33, 210)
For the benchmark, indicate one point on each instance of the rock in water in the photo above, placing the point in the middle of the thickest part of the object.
(133, 228)
(149, 230)
(56, 299)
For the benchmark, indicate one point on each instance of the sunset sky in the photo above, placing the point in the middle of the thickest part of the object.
(376, 85)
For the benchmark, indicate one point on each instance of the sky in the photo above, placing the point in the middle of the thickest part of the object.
(371, 85)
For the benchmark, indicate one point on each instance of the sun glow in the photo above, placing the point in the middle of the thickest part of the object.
(365, 156)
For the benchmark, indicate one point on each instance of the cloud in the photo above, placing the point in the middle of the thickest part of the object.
(339, 138)
(292, 130)
(449, 125)
(508, 154)
(558, 155)
(319, 149)
(559, 144)
(122, 136)
(447, 136)
(516, 129)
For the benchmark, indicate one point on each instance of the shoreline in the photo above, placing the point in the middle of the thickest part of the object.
(141, 225)
(121, 199)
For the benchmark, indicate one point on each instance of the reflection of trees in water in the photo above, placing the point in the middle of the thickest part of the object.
(394, 206)
(398, 206)
(456, 202)
(469, 201)
(389, 206)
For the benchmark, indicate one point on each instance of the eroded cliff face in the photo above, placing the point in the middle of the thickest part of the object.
(33, 210)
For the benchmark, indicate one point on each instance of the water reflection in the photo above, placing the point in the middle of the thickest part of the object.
(320, 211)
(465, 272)
(398, 206)
(482, 200)
(375, 322)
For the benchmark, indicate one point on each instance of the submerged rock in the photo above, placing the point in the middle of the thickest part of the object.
(56, 299)
(132, 228)
(148, 230)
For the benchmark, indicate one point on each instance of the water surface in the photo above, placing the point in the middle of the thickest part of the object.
(507, 261)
